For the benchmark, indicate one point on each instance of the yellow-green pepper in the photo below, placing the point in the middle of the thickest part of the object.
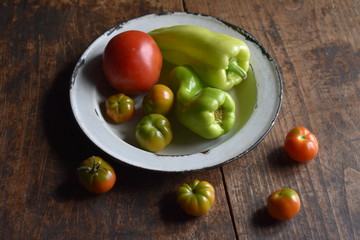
(220, 60)
(206, 111)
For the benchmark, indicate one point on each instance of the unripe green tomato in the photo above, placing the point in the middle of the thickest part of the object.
(153, 132)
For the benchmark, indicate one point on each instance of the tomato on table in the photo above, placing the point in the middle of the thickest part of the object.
(120, 107)
(159, 99)
(196, 198)
(132, 62)
(283, 204)
(96, 175)
(301, 145)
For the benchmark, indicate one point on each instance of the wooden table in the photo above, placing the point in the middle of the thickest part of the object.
(317, 47)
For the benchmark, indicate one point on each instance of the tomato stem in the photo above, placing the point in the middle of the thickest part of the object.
(95, 167)
(86, 168)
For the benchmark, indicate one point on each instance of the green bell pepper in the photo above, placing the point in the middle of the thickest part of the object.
(206, 111)
(220, 60)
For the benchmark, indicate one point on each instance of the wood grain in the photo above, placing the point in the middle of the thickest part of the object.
(316, 45)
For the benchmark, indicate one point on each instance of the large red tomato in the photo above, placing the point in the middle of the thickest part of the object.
(301, 145)
(132, 62)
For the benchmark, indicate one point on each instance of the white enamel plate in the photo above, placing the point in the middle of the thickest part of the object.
(258, 100)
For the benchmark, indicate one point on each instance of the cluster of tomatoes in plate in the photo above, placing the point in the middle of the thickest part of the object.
(132, 64)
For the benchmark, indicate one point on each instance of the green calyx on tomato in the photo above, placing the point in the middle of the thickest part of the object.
(96, 175)
(120, 107)
(283, 204)
(286, 192)
(196, 198)
(153, 132)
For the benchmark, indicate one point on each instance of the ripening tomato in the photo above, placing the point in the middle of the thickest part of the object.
(120, 107)
(153, 132)
(159, 99)
(132, 62)
(283, 204)
(96, 175)
(301, 145)
(196, 198)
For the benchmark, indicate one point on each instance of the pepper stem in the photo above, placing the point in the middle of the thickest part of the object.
(235, 68)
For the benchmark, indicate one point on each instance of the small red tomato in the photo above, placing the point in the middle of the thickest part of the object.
(301, 145)
(132, 62)
(120, 107)
(283, 204)
(159, 99)
(96, 175)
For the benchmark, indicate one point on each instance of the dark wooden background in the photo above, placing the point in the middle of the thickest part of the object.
(317, 47)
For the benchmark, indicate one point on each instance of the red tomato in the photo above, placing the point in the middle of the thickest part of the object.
(159, 99)
(96, 175)
(283, 204)
(301, 145)
(132, 62)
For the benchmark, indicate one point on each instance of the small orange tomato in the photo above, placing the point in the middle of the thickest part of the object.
(301, 145)
(283, 204)
(196, 197)
(120, 107)
(159, 100)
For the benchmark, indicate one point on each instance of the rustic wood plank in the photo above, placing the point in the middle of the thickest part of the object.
(41, 144)
(317, 48)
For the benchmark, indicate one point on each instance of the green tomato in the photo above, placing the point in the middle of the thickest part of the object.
(120, 107)
(153, 132)
(196, 198)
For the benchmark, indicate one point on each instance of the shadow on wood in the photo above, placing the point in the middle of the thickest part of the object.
(64, 134)
(278, 159)
(171, 211)
(68, 143)
(262, 219)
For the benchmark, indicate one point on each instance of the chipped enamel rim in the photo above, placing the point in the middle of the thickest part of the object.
(88, 92)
